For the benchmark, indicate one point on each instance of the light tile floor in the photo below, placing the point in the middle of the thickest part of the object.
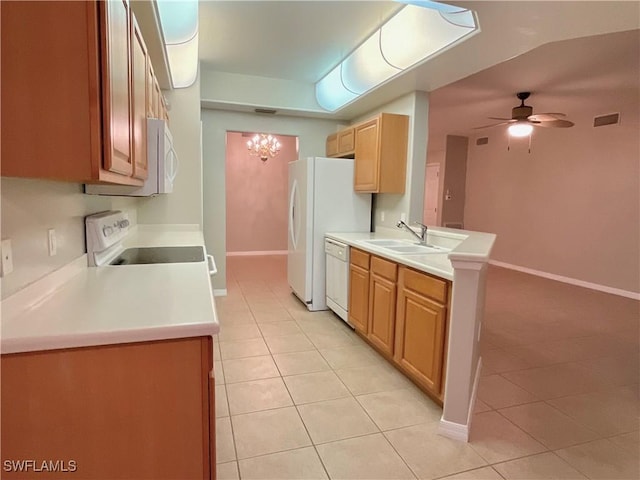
(300, 396)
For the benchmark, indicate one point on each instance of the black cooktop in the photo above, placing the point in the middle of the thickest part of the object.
(147, 255)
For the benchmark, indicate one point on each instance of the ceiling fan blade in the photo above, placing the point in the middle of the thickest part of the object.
(546, 117)
(555, 124)
(499, 118)
(494, 125)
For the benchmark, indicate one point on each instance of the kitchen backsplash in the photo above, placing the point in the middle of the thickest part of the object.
(30, 208)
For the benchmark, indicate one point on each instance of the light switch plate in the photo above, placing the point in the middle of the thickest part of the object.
(7, 257)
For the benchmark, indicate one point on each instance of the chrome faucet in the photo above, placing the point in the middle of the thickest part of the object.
(423, 231)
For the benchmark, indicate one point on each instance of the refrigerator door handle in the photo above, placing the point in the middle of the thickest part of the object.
(292, 214)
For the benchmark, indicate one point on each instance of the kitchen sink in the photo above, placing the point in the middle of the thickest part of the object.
(417, 249)
(387, 243)
(406, 247)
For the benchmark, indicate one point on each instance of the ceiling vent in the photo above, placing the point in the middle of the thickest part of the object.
(268, 111)
(610, 119)
(482, 141)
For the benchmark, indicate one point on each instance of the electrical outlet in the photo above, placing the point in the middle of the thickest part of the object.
(7, 257)
(382, 216)
(53, 245)
(403, 217)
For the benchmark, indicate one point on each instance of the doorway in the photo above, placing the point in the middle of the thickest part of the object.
(256, 196)
(431, 194)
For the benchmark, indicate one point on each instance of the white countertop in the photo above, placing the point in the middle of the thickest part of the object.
(89, 306)
(466, 245)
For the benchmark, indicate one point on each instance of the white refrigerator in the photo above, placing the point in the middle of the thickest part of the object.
(321, 199)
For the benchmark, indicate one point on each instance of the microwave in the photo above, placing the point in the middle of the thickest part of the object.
(162, 166)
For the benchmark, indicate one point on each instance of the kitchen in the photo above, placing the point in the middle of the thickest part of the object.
(28, 204)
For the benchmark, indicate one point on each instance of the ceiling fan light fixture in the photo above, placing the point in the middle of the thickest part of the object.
(520, 129)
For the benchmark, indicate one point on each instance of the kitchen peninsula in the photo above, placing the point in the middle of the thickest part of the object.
(423, 311)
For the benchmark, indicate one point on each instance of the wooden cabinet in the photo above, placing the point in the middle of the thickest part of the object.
(382, 304)
(67, 91)
(381, 154)
(402, 313)
(341, 144)
(139, 84)
(116, 77)
(359, 290)
(140, 410)
(331, 147)
(379, 147)
(164, 110)
(346, 141)
(421, 328)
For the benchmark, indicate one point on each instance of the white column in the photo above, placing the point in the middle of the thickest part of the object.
(463, 358)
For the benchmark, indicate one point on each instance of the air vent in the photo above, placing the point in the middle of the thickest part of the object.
(482, 141)
(269, 111)
(610, 119)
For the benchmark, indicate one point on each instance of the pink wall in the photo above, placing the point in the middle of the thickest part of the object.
(571, 207)
(256, 196)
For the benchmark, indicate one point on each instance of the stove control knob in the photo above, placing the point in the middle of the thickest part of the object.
(106, 231)
(123, 223)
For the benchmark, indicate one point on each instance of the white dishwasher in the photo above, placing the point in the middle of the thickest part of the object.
(337, 277)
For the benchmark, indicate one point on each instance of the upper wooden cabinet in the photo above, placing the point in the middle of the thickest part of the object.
(116, 68)
(379, 146)
(69, 83)
(341, 144)
(139, 84)
(381, 154)
(332, 145)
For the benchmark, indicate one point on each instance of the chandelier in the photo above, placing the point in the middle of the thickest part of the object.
(264, 146)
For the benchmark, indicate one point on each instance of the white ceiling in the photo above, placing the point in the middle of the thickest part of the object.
(303, 40)
(291, 39)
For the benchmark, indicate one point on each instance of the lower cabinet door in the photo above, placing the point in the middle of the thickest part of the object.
(137, 410)
(382, 312)
(358, 297)
(420, 335)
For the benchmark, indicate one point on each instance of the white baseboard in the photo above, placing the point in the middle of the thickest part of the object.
(572, 281)
(455, 431)
(219, 292)
(458, 431)
(250, 254)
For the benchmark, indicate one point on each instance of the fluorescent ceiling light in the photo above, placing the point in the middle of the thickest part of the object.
(366, 67)
(407, 39)
(442, 7)
(331, 92)
(183, 62)
(179, 23)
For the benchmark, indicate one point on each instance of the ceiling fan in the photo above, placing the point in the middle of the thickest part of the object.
(523, 120)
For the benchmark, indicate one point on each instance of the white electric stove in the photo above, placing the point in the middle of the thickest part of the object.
(106, 233)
